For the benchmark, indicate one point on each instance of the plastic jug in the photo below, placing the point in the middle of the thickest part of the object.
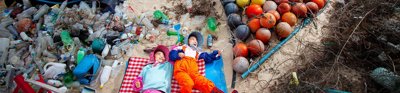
(52, 70)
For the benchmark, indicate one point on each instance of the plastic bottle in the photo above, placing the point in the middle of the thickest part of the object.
(63, 5)
(212, 24)
(159, 15)
(71, 63)
(25, 37)
(4, 50)
(147, 23)
(3, 30)
(209, 40)
(105, 75)
(50, 41)
(48, 54)
(44, 9)
(67, 40)
(27, 13)
(13, 30)
(55, 83)
(105, 51)
(26, 3)
(80, 55)
(115, 52)
(175, 33)
(68, 78)
(188, 5)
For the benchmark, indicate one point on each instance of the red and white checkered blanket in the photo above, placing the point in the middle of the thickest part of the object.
(134, 68)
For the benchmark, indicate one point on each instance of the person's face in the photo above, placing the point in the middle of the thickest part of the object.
(159, 56)
(193, 41)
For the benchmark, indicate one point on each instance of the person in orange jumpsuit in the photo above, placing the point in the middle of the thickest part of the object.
(186, 70)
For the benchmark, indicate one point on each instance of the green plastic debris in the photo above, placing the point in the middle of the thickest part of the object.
(98, 45)
(212, 23)
(335, 91)
(67, 40)
(68, 78)
(159, 15)
(386, 78)
(80, 55)
(175, 33)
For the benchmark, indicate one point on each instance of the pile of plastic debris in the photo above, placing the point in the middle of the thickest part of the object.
(58, 48)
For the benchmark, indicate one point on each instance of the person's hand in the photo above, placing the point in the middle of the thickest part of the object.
(219, 52)
(181, 55)
(137, 84)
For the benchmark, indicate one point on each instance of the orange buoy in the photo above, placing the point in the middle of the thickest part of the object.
(290, 18)
(254, 25)
(253, 10)
(263, 34)
(256, 47)
(300, 9)
(276, 14)
(240, 50)
(283, 8)
(313, 7)
(267, 20)
(320, 3)
(281, 1)
(283, 29)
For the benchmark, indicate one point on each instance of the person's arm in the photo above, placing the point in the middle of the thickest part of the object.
(138, 81)
(209, 57)
(175, 55)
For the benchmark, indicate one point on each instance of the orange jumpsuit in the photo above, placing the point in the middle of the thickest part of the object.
(186, 72)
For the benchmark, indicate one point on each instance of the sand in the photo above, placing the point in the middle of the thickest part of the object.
(279, 64)
(283, 62)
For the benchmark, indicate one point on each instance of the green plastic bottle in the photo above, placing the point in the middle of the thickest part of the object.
(159, 15)
(66, 39)
(80, 55)
(68, 78)
(175, 33)
(212, 23)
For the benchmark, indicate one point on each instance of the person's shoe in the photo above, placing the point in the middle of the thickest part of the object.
(216, 90)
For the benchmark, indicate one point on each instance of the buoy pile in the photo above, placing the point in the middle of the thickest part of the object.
(260, 17)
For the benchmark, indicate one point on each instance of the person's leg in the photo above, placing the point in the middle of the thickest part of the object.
(203, 84)
(184, 81)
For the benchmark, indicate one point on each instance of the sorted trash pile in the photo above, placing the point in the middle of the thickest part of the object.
(261, 18)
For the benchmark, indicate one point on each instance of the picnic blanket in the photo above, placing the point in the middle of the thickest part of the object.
(135, 65)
